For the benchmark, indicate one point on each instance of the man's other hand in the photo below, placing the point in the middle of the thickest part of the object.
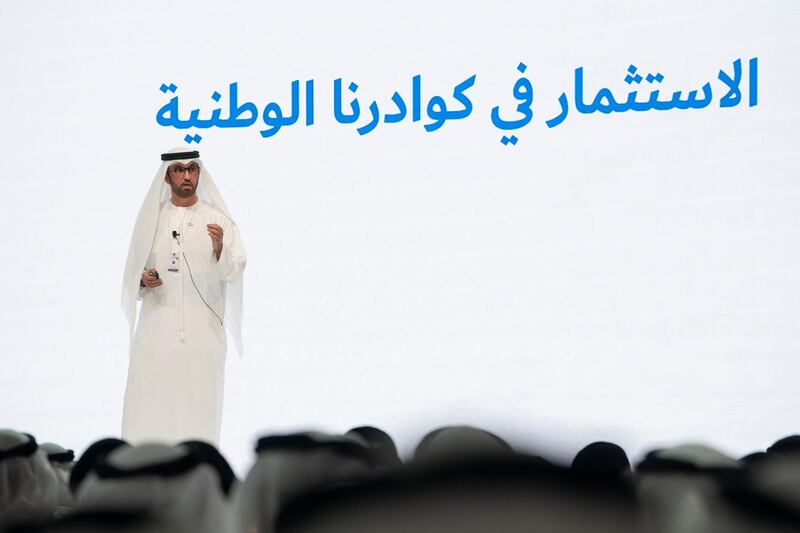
(150, 280)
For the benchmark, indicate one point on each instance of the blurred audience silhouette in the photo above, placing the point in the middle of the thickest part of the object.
(460, 479)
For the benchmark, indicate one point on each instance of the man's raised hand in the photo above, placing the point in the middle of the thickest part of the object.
(215, 232)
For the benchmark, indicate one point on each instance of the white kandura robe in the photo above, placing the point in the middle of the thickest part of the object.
(177, 359)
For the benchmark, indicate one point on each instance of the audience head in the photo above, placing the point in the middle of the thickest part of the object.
(680, 488)
(292, 466)
(62, 461)
(385, 451)
(785, 446)
(688, 458)
(602, 460)
(169, 484)
(94, 455)
(208, 453)
(57, 453)
(753, 458)
(453, 444)
(28, 483)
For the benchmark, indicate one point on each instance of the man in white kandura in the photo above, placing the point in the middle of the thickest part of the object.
(185, 264)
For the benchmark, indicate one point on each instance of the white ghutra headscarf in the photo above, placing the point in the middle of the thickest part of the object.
(144, 235)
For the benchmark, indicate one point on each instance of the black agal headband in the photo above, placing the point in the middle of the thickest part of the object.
(180, 155)
(21, 450)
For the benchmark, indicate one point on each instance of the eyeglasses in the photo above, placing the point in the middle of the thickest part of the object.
(180, 170)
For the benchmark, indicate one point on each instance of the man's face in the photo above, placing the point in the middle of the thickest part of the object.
(183, 179)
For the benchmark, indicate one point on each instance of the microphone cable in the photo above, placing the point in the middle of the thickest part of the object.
(175, 236)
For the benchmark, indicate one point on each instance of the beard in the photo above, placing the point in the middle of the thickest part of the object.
(179, 190)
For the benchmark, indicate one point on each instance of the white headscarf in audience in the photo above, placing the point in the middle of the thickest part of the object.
(290, 466)
(168, 483)
(28, 484)
(62, 461)
(679, 488)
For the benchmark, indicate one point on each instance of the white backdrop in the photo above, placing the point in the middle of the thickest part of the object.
(633, 277)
